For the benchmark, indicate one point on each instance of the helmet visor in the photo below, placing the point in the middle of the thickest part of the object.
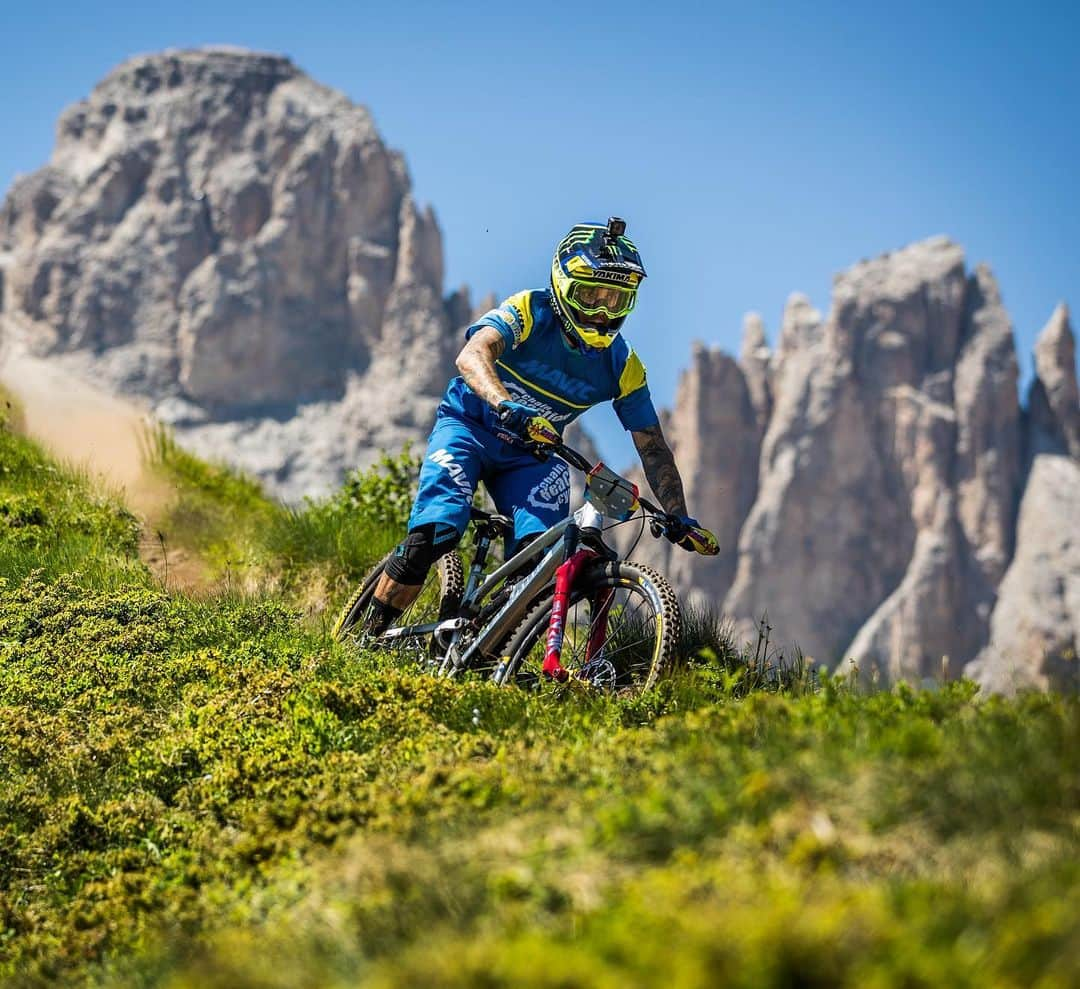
(592, 299)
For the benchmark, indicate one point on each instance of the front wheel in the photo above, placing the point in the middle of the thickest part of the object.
(641, 612)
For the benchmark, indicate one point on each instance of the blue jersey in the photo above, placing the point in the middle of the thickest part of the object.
(542, 370)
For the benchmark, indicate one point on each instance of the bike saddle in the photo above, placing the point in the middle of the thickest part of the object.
(499, 524)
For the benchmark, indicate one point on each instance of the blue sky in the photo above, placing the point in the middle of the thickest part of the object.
(755, 149)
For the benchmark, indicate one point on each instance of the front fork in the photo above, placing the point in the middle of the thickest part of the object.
(565, 577)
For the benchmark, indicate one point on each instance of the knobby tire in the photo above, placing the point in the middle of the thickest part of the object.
(639, 664)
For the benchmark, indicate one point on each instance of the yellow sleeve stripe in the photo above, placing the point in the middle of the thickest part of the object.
(521, 306)
(543, 391)
(633, 375)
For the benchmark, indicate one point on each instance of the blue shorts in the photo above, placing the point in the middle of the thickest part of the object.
(461, 453)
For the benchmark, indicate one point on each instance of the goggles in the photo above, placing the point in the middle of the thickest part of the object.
(592, 299)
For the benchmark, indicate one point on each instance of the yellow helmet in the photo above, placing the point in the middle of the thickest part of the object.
(595, 276)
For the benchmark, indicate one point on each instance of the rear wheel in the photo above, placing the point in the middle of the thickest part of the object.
(439, 599)
(641, 612)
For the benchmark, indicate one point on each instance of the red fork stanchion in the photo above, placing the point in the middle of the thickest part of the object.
(564, 582)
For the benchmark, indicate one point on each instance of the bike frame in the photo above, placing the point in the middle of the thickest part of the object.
(475, 594)
(550, 549)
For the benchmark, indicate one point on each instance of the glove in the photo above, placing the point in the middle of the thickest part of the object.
(527, 423)
(689, 534)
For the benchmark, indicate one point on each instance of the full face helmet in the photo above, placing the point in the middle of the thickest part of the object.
(595, 276)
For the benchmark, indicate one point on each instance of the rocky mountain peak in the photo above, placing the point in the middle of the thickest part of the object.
(223, 235)
(157, 90)
(800, 328)
(1053, 402)
(754, 360)
(898, 317)
(754, 345)
(1035, 626)
(870, 503)
(893, 438)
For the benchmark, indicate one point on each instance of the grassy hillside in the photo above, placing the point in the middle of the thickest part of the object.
(203, 790)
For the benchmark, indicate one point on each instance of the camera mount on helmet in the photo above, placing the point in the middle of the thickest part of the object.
(616, 227)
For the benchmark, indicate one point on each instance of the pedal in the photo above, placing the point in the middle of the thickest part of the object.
(451, 625)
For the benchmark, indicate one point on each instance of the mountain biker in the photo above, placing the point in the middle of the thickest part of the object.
(528, 368)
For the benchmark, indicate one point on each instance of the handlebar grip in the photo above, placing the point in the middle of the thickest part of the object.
(572, 457)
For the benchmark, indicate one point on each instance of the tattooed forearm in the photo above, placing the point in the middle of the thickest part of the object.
(659, 464)
(476, 362)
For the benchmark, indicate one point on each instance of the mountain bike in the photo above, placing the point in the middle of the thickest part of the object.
(565, 606)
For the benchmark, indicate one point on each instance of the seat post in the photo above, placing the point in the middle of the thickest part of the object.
(483, 544)
(480, 554)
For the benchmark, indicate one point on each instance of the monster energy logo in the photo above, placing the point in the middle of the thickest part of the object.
(585, 236)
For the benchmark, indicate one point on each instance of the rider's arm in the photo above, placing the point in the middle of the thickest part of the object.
(476, 362)
(659, 464)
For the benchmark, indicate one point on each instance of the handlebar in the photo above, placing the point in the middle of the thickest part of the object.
(661, 523)
(582, 463)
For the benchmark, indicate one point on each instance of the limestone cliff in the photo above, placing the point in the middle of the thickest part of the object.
(1035, 625)
(879, 520)
(221, 234)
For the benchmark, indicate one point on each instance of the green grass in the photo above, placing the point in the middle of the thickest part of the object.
(206, 791)
(56, 519)
(248, 539)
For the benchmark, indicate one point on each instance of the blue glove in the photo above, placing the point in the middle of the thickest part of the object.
(516, 417)
(688, 533)
(527, 423)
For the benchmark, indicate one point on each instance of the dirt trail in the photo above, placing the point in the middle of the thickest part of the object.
(82, 425)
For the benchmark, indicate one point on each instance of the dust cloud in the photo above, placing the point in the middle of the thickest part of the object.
(81, 425)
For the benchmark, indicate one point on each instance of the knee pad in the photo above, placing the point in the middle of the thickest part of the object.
(419, 550)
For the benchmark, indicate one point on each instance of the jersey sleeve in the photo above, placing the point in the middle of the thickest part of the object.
(513, 319)
(634, 405)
